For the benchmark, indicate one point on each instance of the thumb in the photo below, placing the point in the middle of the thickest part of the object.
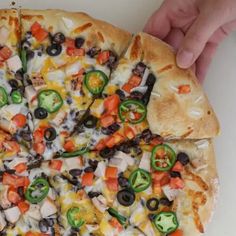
(196, 38)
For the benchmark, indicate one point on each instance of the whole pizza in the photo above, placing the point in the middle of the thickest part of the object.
(100, 132)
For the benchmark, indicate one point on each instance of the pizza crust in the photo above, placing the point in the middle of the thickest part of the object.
(73, 24)
(170, 114)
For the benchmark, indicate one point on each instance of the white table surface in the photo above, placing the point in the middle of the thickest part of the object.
(220, 87)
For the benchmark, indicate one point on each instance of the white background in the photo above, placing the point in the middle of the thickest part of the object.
(220, 87)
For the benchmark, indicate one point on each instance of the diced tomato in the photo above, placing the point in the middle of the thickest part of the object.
(70, 43)
(135, 80)
(12, 146)
(35, 27)
(21, 167)
(56, 164)
(116, 224)
(111, 172)
(118, 138)
(41, 35)
(112, 184)
(87, 179)
(178, 167)
(112, 102)
(19, 120)
(110, 142)
(127, 87)
(157, 190)
(72, 51)
(39, 148)
(69, 146)
(13, 196)
(178, 232)
(23, 206)
(129, 132)
(107, 120)
(176, 183)
(184, 89)
(38, 135)
(15, 181)
(5, 53)
(30, 233)
(156, 141)
(100, 145)
(160, 177)
(103, 57)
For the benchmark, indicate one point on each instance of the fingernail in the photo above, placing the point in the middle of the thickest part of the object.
(184, 58)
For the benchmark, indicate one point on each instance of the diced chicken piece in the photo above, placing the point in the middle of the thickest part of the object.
(130, 161)
(34, 212)
(3, 222)
(4, 202)
(14, 63)
(4, 34)
(121, 164)
(9, 111)
(16, 161)
(199, 163)
(92, 228)
(100, 203)
(30, 93)
(170, 193)
(72, 163)
(100, 170)
(145, 161)
(12, 214)
(97, 108)
(38, 82)
(7, 126)
(59, 118)
(59, 74)
(73, 69)
(48, 208)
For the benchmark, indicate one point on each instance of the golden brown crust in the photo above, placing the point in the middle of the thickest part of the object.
(195, 204)
(171, 114)
(72, 24)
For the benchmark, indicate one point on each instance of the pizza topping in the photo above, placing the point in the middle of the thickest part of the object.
(74, 217)
(151, 80)
(152, 204)
(16, 97)
(58, 38)
(118, 216)
(163, 157)
(19, 120)
(92, 52)
(126, 197)
(40, 113)
(184, 89)
(140, 180)
(50, 134)
(54, 50)
(37, 190)
(5, 53)
(38, 32)
(79, 42)
(132, 111)
(23, 56)
(50, 100)
(76, 153)
(139, 69)
(3, 97)
(14, 63)
(183, 158)
(166, 222)
(90, 122)
(95, 81)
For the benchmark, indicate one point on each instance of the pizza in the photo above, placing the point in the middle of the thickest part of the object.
(100, 132)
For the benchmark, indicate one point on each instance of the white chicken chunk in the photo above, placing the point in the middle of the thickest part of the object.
(12, 214)
(48, 208)
(170, 193)
(4, 202)
(14, 63)
(3, 222)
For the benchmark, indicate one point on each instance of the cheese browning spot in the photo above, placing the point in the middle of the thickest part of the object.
(82, 28)
(165, 68)
(136, 48)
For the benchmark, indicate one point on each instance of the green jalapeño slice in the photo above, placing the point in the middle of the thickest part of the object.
(74, 217)
(3, 97)
(132, 111)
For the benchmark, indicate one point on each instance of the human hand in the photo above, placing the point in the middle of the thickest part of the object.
(194, 28)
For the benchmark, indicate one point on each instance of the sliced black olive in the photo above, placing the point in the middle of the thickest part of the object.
(152, 204)
(183, 158)
(40, 113)
(151, 80)
(121, 94)
(75, 172)
(89, 169)
(29, 54)
(90, 121)
(124, 147)
(19, 75)
(110, 129)
(139, 69)
(112, 60)
(92, 52)
(107, 152)
(126, 197)
(50, 134)
(123, 182)
(175, 174)
(165, 201)
(150, 83)
(26, 135)
(93, 163)
(93, 194)
(13, 83)
(146, 135)
(54, 50)
(43, 226)
(79, 42)
(59, 38)
(136, 95)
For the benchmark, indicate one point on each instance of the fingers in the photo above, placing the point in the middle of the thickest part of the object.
(196, 39)
(158, 25)
(174, 38)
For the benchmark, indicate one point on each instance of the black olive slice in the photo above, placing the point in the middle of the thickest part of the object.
(152, 204)
(59, 38)
(90, 122)
(40, 113)
(54, 50)
(50, 134)
(107, 152)
(79, 42)
(183, 158)
(126, 197)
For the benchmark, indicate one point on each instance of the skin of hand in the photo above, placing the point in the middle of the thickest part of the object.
(194, 28)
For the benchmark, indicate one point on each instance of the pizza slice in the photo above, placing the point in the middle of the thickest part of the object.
(14, 113)
(69, 60)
